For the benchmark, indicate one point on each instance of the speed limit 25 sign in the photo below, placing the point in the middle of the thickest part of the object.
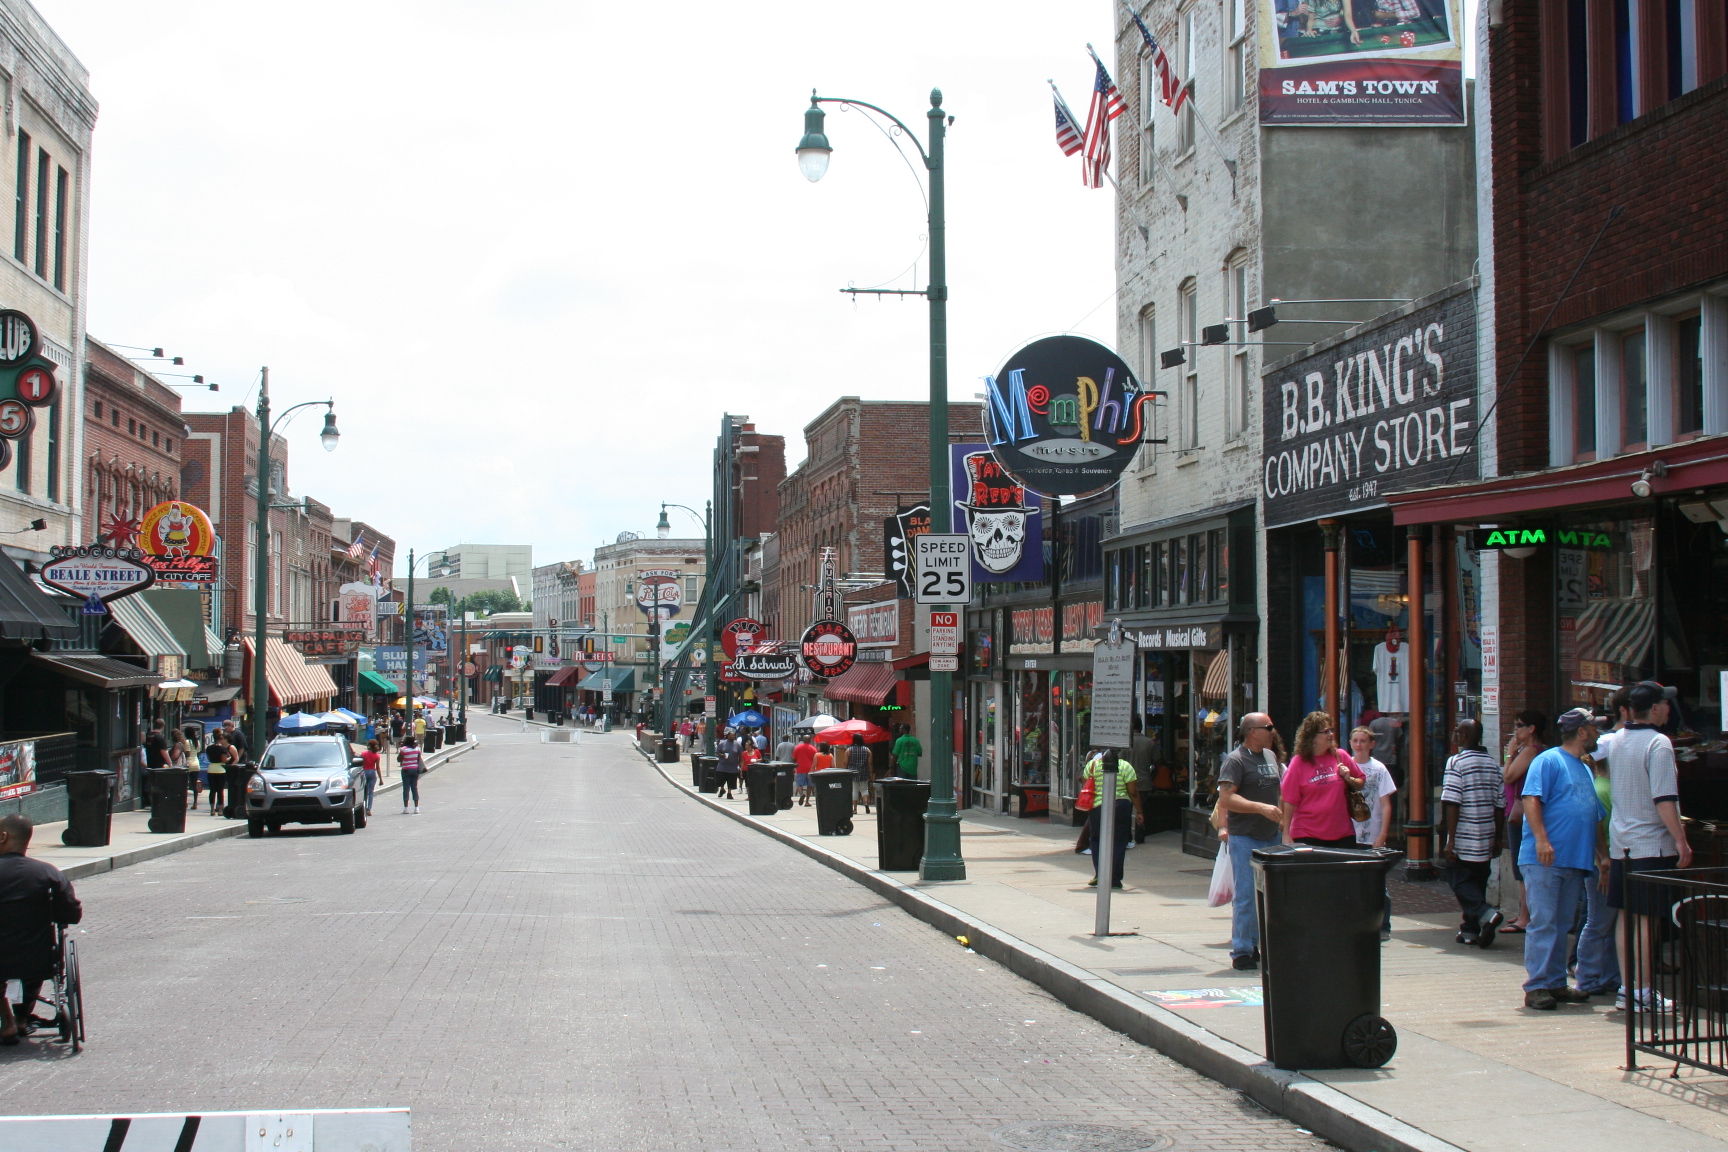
(942, 568)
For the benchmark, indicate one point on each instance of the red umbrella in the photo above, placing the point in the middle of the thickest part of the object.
(843, 732)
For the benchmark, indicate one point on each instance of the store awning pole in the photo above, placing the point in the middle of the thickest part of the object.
(1333, 686)
(1418, 832)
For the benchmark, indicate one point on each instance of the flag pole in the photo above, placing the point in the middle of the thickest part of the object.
(1194, 106)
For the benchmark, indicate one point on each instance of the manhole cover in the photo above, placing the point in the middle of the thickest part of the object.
(1044, 1136)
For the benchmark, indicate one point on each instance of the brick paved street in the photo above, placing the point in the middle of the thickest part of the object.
(563, 952)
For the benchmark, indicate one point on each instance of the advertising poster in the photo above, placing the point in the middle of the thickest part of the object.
(17, 768)
(1393, 63)
(1004, 519)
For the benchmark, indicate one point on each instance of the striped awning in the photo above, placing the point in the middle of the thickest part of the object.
(1619, 631)
(1217, 683)
(863, 684)
(147, 630)
(291, 679)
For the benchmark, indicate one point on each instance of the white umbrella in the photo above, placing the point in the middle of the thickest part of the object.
(816, 723)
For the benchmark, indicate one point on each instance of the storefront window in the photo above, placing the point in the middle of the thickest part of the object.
(1635, 413)
(1211, 724)
(1159, 559)
(1201, 555)
(1180, 592)
(1607, 609)
(1142, 592)
(1220, 563)
(1032, 729)
(1071, 694)
(984, 746)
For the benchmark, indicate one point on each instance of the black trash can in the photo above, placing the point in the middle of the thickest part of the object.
(89, 808)
(709, 780)
(1320, 913)
(760, 779)
(167, 799)
(900, 805)
(669, 750)
(234, 808)
(783, 784)
(833, 788)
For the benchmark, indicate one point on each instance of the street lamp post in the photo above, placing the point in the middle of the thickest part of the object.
(942, 859)
(711, 665)
(261, 563)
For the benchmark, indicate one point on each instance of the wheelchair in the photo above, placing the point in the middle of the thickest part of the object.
(65, 992)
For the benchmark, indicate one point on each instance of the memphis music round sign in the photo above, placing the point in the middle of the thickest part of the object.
(828, 648)
(1065, 416)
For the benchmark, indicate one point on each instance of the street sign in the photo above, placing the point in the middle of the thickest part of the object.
(606, 695)
(1112, 692)
(766, 665)
(828, 648)
(944, 663)
(93, 572)
(942, 568)
(944, 633)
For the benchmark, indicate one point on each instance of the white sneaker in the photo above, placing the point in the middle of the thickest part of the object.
(1085, 851)
(404, 809)
(416, 809)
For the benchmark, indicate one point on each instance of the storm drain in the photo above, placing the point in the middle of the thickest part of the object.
(1046, 1136)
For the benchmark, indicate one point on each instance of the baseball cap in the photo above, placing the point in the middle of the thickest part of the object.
(1573, 720)
(1647, 693)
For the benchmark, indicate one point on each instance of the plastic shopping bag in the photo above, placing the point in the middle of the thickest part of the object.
(1223, 888)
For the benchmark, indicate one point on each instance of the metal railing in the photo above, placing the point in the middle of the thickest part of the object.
(1675, 927)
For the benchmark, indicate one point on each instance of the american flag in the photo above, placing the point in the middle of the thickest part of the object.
(1173, 91)
(1106, 106)
(1067, 132)
(356, 549)
(372, 565)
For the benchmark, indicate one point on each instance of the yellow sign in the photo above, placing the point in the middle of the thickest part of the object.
(176, 528)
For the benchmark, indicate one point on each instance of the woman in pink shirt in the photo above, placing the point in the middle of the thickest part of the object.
(1316, 809)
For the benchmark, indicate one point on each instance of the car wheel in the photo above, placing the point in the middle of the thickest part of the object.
(359, 817)
(255, 828)
(345, 823)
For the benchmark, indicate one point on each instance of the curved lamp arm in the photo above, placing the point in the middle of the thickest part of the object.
(898, 123)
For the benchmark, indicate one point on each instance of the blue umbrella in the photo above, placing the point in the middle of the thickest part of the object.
(299, 722)
(354, 716)
(749, 718)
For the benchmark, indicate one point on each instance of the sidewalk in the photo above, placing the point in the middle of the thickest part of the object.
(1474, 1067)
(130, 840)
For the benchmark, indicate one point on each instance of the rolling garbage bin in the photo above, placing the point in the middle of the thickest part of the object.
(833, 788)
(760, 779)
(669, 750)
(900, 805)
(709, 781)
(167, 799)
(1320, 913)
(89, 808)
(783, 783)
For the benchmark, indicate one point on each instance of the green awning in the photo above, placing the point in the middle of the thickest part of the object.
(149, 631)
(372, 684)
(182, 610)
(610, 680)
(494, 674)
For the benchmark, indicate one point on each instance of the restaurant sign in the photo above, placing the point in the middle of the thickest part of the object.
(876, 625)
(325, 639)
(97, 574)
(1389, 410)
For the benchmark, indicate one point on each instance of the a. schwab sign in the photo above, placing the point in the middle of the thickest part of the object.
(1389, 410)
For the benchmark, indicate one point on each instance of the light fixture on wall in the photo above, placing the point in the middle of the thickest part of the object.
(1641, 487)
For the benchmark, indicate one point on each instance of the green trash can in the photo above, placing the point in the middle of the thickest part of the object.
(900, 805)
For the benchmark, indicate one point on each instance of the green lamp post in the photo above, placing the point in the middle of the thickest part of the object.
(942, 860)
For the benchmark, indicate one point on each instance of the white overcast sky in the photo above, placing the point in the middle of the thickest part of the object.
(534, 250)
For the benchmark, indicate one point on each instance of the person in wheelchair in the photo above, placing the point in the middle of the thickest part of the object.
(34, 896)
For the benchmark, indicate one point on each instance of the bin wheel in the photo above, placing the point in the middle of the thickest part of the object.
(254, 828)
(844, 828)
(1370, 1041)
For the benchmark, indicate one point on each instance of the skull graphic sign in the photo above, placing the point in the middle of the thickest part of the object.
(999, 514)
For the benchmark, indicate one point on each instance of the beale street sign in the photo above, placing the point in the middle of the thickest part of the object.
(97, 574)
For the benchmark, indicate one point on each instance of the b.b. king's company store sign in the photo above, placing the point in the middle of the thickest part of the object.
(1391, 409)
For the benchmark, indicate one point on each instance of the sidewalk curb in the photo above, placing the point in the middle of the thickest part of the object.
(197, 839)
(1318, 1107)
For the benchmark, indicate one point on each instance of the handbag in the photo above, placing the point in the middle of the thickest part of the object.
(1088, 797)
(1355, 799)
(1223, 887)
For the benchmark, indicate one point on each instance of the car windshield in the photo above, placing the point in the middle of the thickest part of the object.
(304, 754)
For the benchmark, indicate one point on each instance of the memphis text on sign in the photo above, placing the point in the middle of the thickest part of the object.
(1391, 409)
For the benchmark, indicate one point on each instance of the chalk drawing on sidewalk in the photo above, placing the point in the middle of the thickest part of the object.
(1250, 997)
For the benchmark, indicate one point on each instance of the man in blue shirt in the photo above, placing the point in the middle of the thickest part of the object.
(1558, 856)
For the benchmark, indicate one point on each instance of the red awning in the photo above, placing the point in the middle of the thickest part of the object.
(1693, 464)
(290, 678)
(564, 676)
(863, 684)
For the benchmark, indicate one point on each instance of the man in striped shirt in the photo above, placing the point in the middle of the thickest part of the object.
(1473, 800)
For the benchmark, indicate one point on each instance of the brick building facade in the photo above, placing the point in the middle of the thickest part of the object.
(134, 440)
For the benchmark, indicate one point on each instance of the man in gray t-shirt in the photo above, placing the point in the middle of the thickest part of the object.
(1248, 789)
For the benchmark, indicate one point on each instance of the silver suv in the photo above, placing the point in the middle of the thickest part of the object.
(306, 780)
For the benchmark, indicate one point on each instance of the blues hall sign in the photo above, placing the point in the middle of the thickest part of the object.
(1065, 416)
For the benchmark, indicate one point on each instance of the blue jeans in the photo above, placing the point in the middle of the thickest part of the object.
(1244, 915)
(1120, 834)
(371, 786)
(410, 786)
(1598, 966)
(1553, 894)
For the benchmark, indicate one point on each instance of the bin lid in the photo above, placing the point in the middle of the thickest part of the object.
(832, 772)
(1294, 855)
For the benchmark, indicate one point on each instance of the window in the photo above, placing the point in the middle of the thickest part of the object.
(1220, 551)
(1681, 17)
(1236, 292)
(1236, 55)
(156, 439)
(1625, 61)
(21, 202)
(115, 412)
(1148, 106)
(1577, 72)
(1179, 590)
(1200, 560)
(21, 470)
(1161, 559)
(1584, 403)
(1149, 377)
(1186, 57)
(54, 450)
(44, 167)
(62, 189)
(1189, 393)
(98, 409)
(1688, 377)
(1634, 398)
(1615, 60)
(131, 427)
(168, 446)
